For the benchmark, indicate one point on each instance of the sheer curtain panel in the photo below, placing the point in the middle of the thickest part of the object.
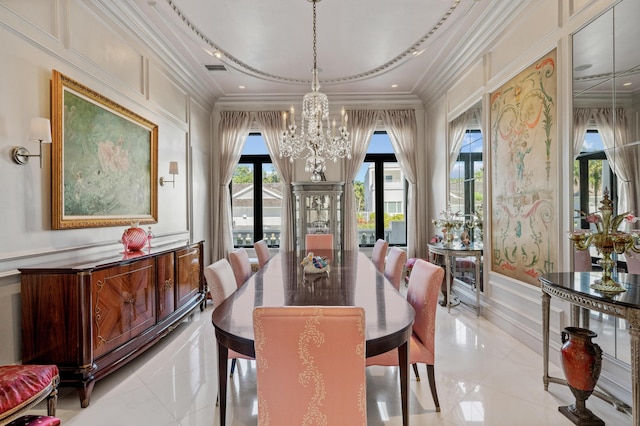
(362, 124)
(402, 129)
(271, 126)
(233, 130)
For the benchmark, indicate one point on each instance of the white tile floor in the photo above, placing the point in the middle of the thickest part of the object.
(484, 377)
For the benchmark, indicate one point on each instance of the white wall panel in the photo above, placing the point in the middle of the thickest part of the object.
(167, 94)
(524, 34)
(464, 94)
(92, 38)
(41, 13)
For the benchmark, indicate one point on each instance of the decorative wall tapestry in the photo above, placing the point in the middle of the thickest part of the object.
(524, 147)
(104, 160)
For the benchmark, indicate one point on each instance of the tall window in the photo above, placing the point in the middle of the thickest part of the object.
(381, 195)
(466, 179)
(591, 176)
(256, 196)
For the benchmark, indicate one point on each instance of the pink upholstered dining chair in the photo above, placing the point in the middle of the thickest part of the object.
(395, 266)
(310, 365)
(241, 266)
(222, 283)
(422, 294)
(633, 262)
(378, 254)
(315, 242)
(581, 260)
(262, 251)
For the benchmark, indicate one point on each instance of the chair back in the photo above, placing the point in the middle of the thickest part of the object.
(581, 260)
(310, 363)
(239, 260)
(395, 266)
(422, 294)
(378, 254)
(633, 262)
(262, 251)
(315, 242)
(221, 281)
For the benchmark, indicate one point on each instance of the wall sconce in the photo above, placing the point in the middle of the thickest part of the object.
(173, 170)
(40, 131)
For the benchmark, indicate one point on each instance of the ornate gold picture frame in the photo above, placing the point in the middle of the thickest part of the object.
(104, 160)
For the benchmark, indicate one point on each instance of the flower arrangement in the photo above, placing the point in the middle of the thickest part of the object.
(450, 222)
(607, 239)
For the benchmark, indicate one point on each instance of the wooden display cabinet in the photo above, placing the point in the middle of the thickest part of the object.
(92, 317)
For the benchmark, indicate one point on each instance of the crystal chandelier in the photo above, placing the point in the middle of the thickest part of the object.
(317, 140)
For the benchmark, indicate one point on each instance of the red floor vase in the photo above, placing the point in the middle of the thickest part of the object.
(581, 362)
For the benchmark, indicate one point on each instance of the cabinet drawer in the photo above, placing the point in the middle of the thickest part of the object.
(123, 304)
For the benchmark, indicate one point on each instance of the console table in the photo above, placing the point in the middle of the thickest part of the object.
(574, 288)
(452, 251)
(95, 315)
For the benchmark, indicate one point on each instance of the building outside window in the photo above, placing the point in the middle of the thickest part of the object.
(256, 196)
(381, 195)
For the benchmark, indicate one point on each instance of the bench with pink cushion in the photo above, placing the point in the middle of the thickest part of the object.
(24, 386)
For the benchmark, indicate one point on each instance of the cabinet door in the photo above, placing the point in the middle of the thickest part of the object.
(166, 287)
(188, 274)
(123, 299)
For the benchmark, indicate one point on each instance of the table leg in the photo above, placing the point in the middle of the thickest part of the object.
(223, 358)
(586, 316)
(403, 362)
(575, 315)
(634, 331)
(447, 265)
(477, 285)
(546, 303)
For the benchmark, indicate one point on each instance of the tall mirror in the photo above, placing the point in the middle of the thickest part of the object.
(466, 179)
(606, 100)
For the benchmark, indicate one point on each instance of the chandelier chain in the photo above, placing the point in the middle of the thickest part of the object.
(315, 50)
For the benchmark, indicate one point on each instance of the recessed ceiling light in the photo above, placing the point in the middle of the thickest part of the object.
(582, 67)
(394, 85)
(627, 84)
(241, 87)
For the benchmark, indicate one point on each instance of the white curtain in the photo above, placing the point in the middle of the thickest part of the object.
(271, 126)
(581, 117)
(402, 129)
(614, 129)
(458, 128)
(233, 130)
(362, 123)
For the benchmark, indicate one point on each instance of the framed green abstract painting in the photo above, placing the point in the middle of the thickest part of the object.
(104, 160)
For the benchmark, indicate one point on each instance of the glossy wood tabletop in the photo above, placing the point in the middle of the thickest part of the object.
(352, 280)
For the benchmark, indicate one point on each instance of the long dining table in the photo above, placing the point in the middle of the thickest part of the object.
(352, 280)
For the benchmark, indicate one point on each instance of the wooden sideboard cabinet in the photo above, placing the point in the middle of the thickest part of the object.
(92, 317)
